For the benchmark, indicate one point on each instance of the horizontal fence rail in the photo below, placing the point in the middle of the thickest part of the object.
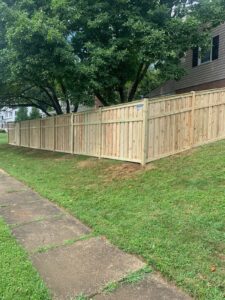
(141, 131)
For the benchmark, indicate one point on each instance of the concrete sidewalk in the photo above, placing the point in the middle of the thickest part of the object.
(71, 260)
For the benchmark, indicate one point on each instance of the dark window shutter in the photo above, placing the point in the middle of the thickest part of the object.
(215, 48)
(195, 57)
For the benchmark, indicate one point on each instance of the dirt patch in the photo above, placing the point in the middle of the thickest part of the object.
(64, 157)
(116, 171)
(122, 171)
(149, 167)
(89, 163)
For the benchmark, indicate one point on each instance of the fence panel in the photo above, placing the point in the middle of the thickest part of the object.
(12, 133)
(25, 133)
(48, 134)
(86, 133)
(35, 134)
(63, 133)
(122, 128)
(169, 126)
(209, 117)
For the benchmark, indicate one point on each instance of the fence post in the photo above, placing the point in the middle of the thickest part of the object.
(144, 133)
(29, 133)
(72, 133)
(7, 128)
(192, 119)
(54, 133)
(100, 133)
(19, 134)
(40, 135)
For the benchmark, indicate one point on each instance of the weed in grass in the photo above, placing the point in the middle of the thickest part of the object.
(137, 276)
(111, 287)
(131, 278)
(47, 248)
(81, 297)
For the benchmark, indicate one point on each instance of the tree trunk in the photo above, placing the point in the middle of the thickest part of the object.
(75, 108)
(140, 75)
(51, 99)
(122, 94)
(56, 101)
(66, 97)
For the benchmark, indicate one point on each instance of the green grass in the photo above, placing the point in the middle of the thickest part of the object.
(3, 138)
(173, 215)
(18, 279)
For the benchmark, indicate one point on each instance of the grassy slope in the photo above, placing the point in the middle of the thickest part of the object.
(18, 279)
(173, 215)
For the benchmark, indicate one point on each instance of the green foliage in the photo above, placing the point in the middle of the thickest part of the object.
(19, 280)
(22, 114)
(151, 81)
(38, 63)
(172, 214)
(35, 114)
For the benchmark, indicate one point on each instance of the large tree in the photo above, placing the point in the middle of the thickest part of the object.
(38, 65)
(118, 41)
(57, 53)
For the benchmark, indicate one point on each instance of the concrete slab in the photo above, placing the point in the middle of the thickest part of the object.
(9, 185)
(49, 232)
(84, 267)
(7, 199)
(27, 212)
(152, 287)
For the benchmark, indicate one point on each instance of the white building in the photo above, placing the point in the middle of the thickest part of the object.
(7, 115)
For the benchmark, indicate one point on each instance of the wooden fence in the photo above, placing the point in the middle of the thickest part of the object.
(141, 131)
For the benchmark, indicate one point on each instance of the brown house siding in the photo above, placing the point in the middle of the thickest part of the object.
(204, 86)
(205, 76)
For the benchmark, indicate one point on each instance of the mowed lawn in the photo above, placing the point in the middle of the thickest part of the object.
(172, 214)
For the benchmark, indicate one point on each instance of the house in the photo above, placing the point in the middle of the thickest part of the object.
(202, 71)
(7, 115)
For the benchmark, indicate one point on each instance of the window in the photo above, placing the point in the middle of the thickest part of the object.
(199, 58)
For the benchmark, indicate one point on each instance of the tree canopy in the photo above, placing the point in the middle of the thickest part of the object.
(56, 54)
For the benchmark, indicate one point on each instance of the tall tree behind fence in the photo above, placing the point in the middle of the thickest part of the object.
(140, 131)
